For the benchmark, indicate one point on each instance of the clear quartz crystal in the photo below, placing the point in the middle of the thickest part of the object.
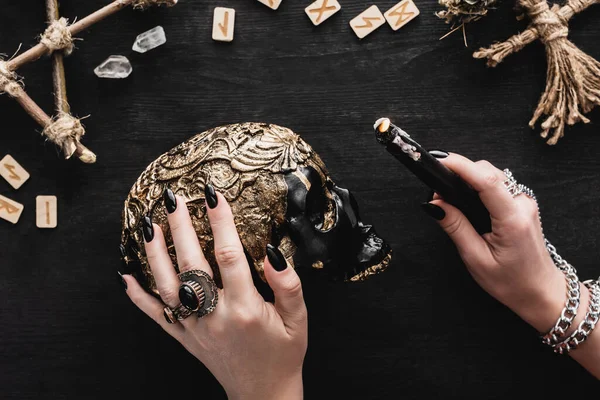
(150, 40)
(114, 67)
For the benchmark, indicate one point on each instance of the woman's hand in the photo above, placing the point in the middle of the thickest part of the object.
(511, 263)
(255, 349)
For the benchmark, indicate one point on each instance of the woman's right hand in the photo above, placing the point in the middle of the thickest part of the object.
(511, 263)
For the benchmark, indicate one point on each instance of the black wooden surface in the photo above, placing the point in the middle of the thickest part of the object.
(422, 329)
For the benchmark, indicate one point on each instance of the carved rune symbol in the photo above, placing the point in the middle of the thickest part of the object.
(225, 25)
(13, 174)
(368, 23)
(322, 10)
(48, 212)
(401, 14)
(8, 207)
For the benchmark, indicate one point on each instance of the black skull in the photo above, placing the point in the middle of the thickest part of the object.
(324, 223)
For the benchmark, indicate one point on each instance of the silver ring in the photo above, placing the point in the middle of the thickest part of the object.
(178, 313)
(511, 184)
(198, 292)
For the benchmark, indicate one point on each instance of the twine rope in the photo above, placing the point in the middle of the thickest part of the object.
(8, 80)
(58, 36)
(547, 22)
(577, 6)
(65, 131)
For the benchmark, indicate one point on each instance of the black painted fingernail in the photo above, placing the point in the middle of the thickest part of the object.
(276, 259)
(147, 229)
(122, 280)
(439, 153)
(211, 196)
(434, 211)
(170, 201)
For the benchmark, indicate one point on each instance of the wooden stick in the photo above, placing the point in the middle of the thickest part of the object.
(43, 119)
(32, 108)
(59, 80)
(39, 50)
(98, 16)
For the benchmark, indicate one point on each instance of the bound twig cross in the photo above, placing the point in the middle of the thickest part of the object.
(64, 130)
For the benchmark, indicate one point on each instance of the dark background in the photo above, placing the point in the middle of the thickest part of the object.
(422, 329)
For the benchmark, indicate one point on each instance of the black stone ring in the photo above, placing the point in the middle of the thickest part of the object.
(178, 313)
(198, 292)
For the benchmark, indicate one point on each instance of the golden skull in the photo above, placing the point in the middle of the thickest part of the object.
(280, 193)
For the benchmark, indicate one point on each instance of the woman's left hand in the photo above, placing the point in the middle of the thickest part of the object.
(255, 349)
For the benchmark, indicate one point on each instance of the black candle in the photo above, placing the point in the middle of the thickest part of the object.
(433, 173)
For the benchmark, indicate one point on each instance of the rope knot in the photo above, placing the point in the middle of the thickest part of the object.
(65, 131)
(547, 21)
(8, 80)
(58, 36)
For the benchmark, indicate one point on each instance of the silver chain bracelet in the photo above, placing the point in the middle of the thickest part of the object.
(555, 335)
(568, 313)
(586, 326)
